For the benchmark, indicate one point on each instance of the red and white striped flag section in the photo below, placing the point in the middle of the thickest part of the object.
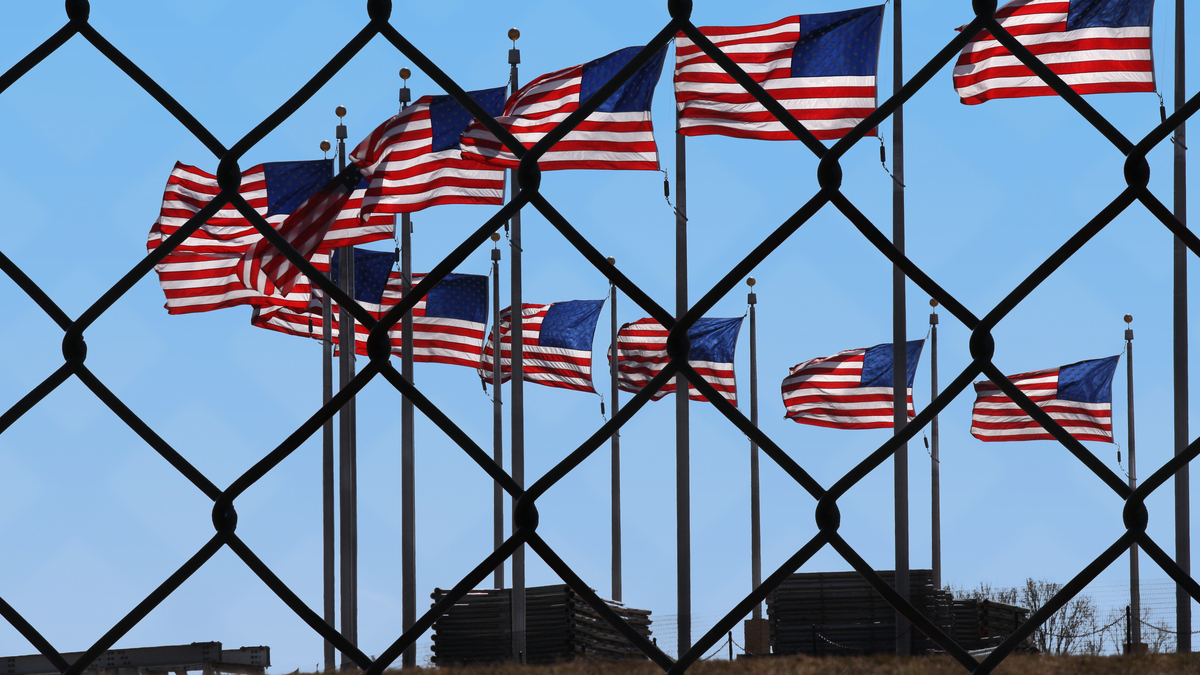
(449, 324)
(557, 344)
(820, 67)
(415, 162)
(1095, 46)
(618, 135)
(849, 390)
(642, 354)
(1077, 396)
(265, 268)
(202, 273)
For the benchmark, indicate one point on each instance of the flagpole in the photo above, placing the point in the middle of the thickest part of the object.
(497, 417)
(935, 464)
(328, 510)
(408, 501)
(518, 390)
(616, 449)
(347, 462)
(1135, 591)
(755, 513)
(899, 346)
(683, 492)
(683, 459)
(1183, 534)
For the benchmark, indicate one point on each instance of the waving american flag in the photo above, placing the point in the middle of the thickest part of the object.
(820, 67)
(642, 354)
(617, 136)
(849, 390)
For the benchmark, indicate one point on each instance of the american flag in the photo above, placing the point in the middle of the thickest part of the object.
(415, 162)
(371, 275)
(1078, 397)
(265, 268)
(1095, 46)
(557, 345)
(617, 136)
(202, 274)
(449, 323)
(849, 390)
(642, 354)
(820, 67)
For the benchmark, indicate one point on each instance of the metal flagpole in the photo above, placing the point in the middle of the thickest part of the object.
(497, 417)
(899, 350)
(347, 462)
(1135, 591)
(328, 510)
(755, 523)
(683, 491)
(518, 389)
(935, 464)
(616, 450)
(1183, 530)
(408, 501)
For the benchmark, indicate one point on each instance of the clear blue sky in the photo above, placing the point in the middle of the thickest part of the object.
(92, 519)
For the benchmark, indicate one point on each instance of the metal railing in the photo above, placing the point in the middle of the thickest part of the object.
(525, 514)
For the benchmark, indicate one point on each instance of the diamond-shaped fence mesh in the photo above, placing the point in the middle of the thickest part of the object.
(379, 366)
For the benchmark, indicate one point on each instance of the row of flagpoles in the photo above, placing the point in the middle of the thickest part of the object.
(433, 153)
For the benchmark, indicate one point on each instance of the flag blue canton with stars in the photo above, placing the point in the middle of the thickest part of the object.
(459, 296)
(838, 43)
(290, 184)
(371, 271)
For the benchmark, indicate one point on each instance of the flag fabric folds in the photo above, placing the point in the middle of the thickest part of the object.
(820, 67)
(1077, 396)
(415, 162)
(1095, 46)
(852, 389)
(618, 135)
(642, 354)
(449, 323)
(557, 344)
(265, 268)
(371, 275)
(204, 272)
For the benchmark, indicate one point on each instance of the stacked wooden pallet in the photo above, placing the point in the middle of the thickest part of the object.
(559, 626)
(840, 613)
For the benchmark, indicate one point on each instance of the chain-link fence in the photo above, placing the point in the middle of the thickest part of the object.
(525, 513)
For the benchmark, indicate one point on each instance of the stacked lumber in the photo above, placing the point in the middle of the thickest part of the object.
(559, 626)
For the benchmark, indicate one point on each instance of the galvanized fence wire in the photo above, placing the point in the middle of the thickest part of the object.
(525, 515)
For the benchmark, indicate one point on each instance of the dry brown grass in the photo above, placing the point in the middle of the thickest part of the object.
(1155, 664)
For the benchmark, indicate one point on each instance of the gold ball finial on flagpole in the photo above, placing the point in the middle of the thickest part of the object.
(495, 236)
(750, 281)
(1128, 318)
(340, 111)
(933, 302)
(514, 35)
(405, 73)
(325, 146)
(612, 261)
